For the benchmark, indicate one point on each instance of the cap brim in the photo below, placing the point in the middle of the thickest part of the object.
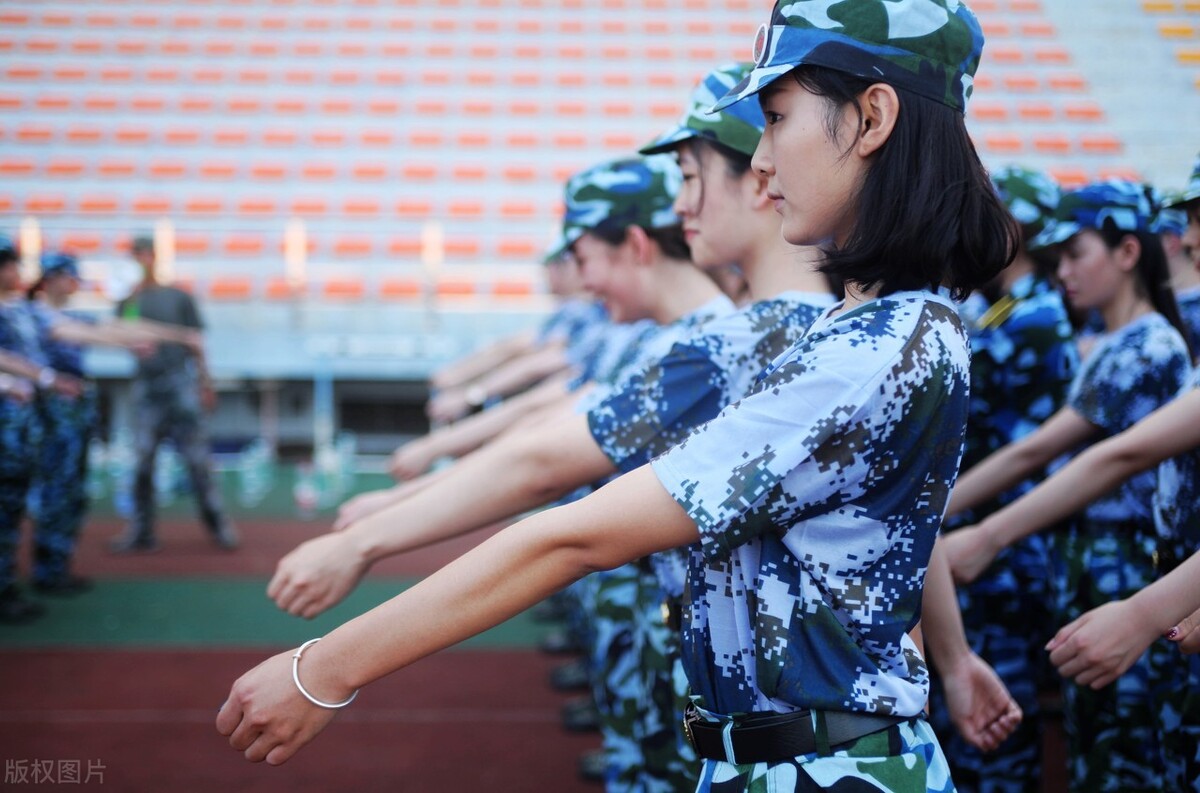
(668, 141)
(1055, 233)
(758, 78)
(1187, 197)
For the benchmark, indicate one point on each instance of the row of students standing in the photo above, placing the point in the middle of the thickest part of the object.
(790, 499)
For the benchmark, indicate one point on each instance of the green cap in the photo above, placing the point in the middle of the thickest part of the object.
(1125, 205)
(1031, 196)
(1192, 191)
(738, 127)
(929, 47)
(615, 195)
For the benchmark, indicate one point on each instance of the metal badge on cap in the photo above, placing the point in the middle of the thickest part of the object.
(760, 43)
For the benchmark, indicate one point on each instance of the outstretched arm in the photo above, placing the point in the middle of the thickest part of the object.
(481, 361)
(509, 477)
(1167, 432)
(267, 719)
(1016, 462)
(980, 706)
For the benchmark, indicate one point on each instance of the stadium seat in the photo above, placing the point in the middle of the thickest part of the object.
(45, 204)
(1035, 111)
(513, 248)
(256, 206)
(243, 245)
(401, 288)
(462, 247)
(17, 166)
(203, 205)
(81, 242)
(116, 168)
(151, 205)
(348, 246)
(192, 244)
(344, 289)
(512, 288)
(455, 287)
(97, 205)
(65, 168)
(167, 169)
(282, 289)
(419, 172)
(1052, 144)
(1100, 144)
(1069, 177)
(361, 207)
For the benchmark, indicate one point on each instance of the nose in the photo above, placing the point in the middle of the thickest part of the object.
(762, 161)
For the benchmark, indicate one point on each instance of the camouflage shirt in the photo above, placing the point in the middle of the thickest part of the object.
(1177, 500)
(19, 331)
(1189, 309)
(1132, 372)
(64, 356)
(818, 497)
(1023, 359)
(657, 407)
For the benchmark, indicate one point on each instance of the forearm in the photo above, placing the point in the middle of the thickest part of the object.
(503, 576)
(944, 633)
(509, 477)
(480, 362)
(19, 366)
(1173, 597)
(521, 373)
(1086, 478)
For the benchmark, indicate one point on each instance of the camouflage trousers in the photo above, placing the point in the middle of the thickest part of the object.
(640, 689)
(905, 758)
(1008, 617)
(1176, 681)
(173, 415)
(20, 436)
(1112, 734)
(58, 497)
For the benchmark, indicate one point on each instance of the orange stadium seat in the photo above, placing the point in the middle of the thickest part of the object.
(1100, 144)
(87, 46)
(53, 102)
(309, 207)
(230, 136)
(1069, 177)
(1035, 111)
(116, 168)
(1021, 82)
(469, 173)
(419, 172)
(520, 173)
(1158, 6)
(168, 169)
(401, 288)
(1067, 82)
(192, 244)
(243, 245)
(512, 288)
(1188, 57)
(512, 248)
(145, 104)
(345, 289)
(1177, 30)
(1057, 56)
(16, 166)
(282, 289)
(217, 170)
(81, 242)
(138, 135)
(45, 204)
(1026, 6)
(203, 205)
(462, 246)
(268, 171)
(196, 104)
(368, 171)
(6, 203)
(11, 102)
(243, 104)
(256, 206)
(67, 168)
(279, 137)
(35, 133)
(318, 171)
(465, 209)
(1128, 174)
(182, 136)
(151, 205)
(1083, 111)
(404, 246)
(988, 111)
(1052, 144)
(361, 207)
(353, 246)
(1003, 143)
(455, 287)
(473, 140)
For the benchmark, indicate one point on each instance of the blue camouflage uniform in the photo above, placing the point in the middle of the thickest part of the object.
(1176, 677)
(648, 413)
(58, 499)
(1109, 555)
(818, 498)
(20, 433)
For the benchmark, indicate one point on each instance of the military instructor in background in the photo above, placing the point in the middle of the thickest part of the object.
(171, 392)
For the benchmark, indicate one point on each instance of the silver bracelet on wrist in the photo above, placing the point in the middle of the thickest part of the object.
(308, 696)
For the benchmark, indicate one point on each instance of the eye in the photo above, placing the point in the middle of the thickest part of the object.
(772, 117)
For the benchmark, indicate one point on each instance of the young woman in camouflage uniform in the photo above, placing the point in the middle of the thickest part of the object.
(1111, 262)
(812, 504)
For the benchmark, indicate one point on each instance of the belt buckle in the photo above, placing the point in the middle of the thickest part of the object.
(690, 717)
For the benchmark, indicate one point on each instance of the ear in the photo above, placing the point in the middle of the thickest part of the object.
(640, 245)
(880, 109)
(1127, 253)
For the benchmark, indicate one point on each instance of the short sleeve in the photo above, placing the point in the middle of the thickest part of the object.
(189, 313)
(654, 408)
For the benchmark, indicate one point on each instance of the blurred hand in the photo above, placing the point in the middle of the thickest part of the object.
(1186, 634)
(447, 406)
(1101, 645)
(17, 388)
(982, 710)
(144, 349)
(411, 460)
(361, 506)
(971, 550)
(266, 718)
(67, 385)
(316, 575)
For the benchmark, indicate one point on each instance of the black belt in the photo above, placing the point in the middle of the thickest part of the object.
(773, 737)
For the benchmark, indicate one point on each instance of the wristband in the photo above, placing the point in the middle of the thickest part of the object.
(46, 377)
(308, 696)
(476, 396)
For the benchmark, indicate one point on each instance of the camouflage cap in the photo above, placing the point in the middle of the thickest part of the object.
(7, 247)
(615, 195)
(1192, 191)
(929, 47)
(1168, 219)
(59, 263)
(1126, 205)
(1031, 196)
(738, 127)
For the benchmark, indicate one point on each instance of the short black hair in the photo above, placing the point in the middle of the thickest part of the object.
(669, 239)
(927, 214)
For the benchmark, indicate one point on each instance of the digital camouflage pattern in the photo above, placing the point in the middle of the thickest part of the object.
(1132, 372)
(737, 127)
(817, 498)
(1031, 196)
(1127, 205)
(1112, 734)
(1177, 497)
(1188, 301)
(902, 759)
(929, 47)
(1176, 681)
(20, 440)
(620, 194)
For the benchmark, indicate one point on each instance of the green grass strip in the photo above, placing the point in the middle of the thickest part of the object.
(211, 612)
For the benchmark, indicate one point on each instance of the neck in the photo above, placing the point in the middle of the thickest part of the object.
(1124, 308)
(683, 289)
(856, 296)
(55, 301)
(776, 266)
(1021, 266)
(1183, 273)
